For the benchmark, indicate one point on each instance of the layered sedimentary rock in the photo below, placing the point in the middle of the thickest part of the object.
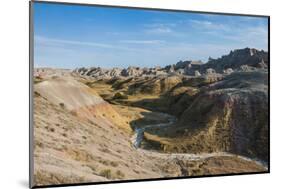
(79, 99)
(229, 115)
(246, 59)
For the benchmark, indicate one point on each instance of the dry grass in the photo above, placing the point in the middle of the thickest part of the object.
(45, 178)
(106, 173)
(120, 174)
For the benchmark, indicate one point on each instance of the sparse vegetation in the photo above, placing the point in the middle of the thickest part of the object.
(92, 167)
(114, 163)
(106, 173)
(120, 174)
(120, 95)
(90, 121)
(74, 113)
(62, 105)
(37, 79)
(106, 150)
(36, 94)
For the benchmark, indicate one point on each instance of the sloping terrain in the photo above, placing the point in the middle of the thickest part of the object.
(72, 147)
(185, 119)
(149, 85)
(79, 99)
(78, 138)
(68, 149)
(230, 115)
(216, 113)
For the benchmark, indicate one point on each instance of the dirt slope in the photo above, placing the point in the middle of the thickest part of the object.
(77, 139)
(229, 115)
(71, 146)
(80, 100)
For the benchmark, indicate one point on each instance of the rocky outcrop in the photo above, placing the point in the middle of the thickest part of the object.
(244, 60)
(228, 71)
(131, 71)
(197, 73)
(210, 71)
(235, 59)
(238, 60)
(221, 105)
(50, 72)
(234, 112)
(229, 115)
(84, 120)
(115, 72)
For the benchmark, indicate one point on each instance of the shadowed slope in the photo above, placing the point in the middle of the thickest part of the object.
(229, 115)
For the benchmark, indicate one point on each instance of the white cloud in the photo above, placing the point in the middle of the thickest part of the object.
(159, 28)
(246, 34)
(160, 25)
(254, 36)
(52, 41)
(45, 41)
(150, 42)
(208, 25)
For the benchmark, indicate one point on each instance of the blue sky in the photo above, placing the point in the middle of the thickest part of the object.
(74, 36)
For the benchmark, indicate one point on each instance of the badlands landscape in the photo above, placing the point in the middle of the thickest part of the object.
(190, 118)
